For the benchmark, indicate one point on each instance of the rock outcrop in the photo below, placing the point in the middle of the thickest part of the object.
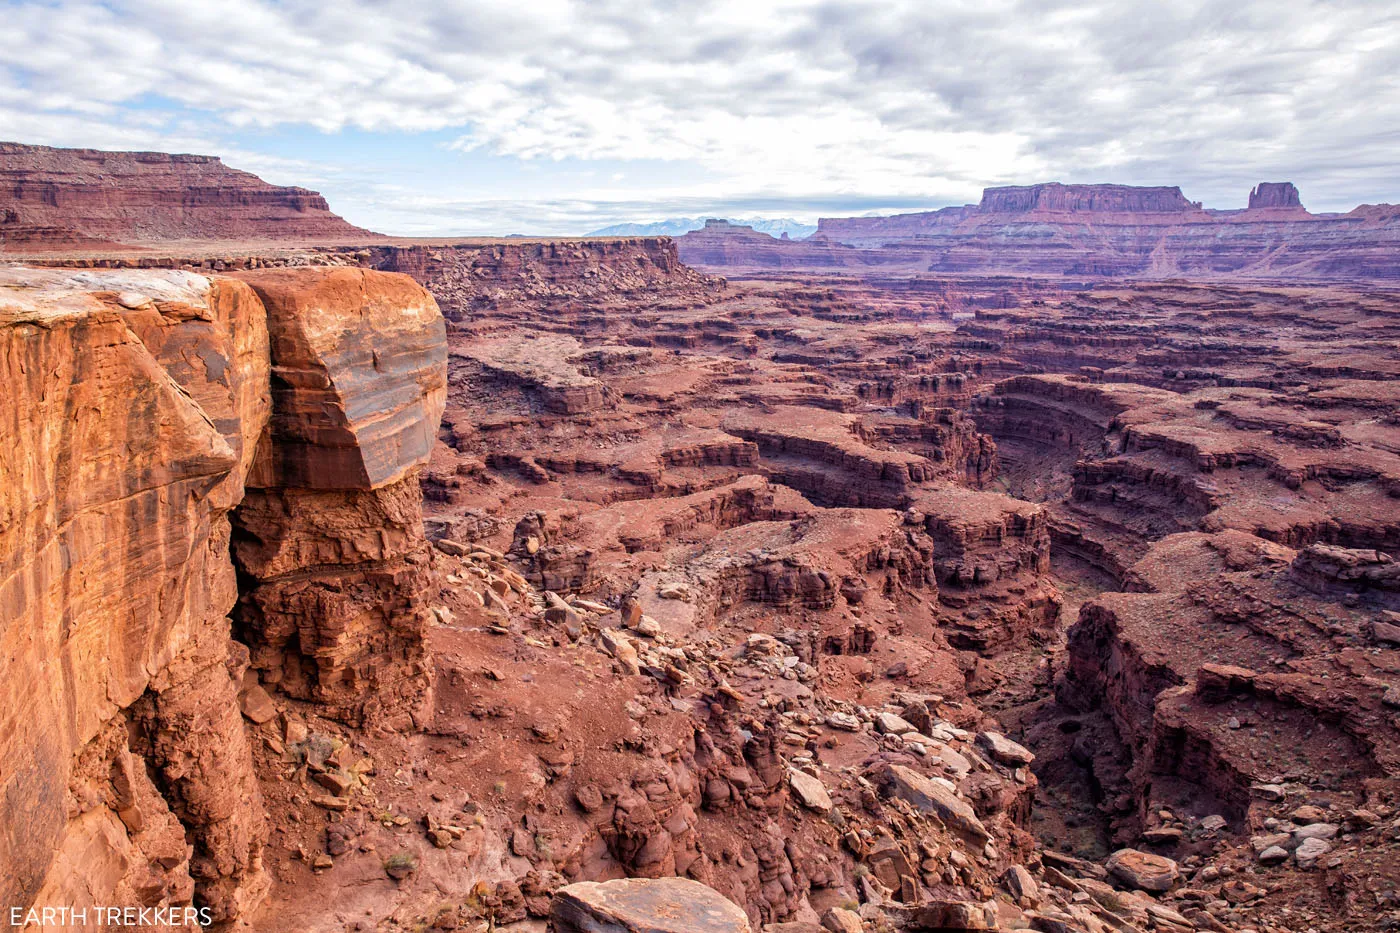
(56, 199)
(1268, 194)
(331, 529)
(1056, 198)
(145, 411)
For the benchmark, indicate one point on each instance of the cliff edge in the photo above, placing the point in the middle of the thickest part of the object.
(150, 414)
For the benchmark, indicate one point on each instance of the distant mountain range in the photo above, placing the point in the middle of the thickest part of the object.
(676, 226)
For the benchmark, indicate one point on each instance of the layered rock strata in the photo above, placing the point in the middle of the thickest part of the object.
(1239, 663)
(330, 535)
(54, 199)
(143, 405)
(1088, 231)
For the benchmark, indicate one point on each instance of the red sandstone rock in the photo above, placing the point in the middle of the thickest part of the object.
(85, 198)
(122, 461)
(1084, 231)
(707, 629)
(138, 402)
(672, 906)
(1274, 194)
(358, 359)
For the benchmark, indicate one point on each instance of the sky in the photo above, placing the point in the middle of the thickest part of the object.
(461, 117)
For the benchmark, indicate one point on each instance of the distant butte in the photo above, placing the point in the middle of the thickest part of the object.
(1274, 194)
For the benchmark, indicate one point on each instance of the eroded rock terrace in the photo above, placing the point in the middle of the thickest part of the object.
(928, 603)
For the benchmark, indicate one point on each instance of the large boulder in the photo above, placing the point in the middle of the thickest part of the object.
(645, 905)
(360, 377)
(937, 798)
(1004, 750)
(809, 790)
(1143, 870)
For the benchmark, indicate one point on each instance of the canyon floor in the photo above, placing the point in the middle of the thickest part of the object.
(871, 602)
(732, 572)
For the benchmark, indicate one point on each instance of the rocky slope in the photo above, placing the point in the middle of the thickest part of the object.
(55, 199)
(895, 602)
(150, 414)
(1093, 231)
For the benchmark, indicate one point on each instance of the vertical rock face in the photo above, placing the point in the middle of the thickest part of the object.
(133, 403)
(358, 381)
(139, 405)
(331, 531)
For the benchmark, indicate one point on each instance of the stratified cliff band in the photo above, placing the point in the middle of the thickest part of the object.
(1085, 232)
(146, 410)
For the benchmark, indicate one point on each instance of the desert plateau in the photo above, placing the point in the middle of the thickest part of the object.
(1031, 564)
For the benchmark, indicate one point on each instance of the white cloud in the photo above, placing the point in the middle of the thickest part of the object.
(919, 99)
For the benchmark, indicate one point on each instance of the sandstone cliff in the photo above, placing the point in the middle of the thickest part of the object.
(553, 276)
(1086, 231)
(1274, 194)
(75, 198)
(1104, 199)
(141, 406)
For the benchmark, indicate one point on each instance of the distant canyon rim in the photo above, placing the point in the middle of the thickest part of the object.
(1028, 565)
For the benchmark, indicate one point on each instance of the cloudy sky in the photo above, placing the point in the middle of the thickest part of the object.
(559, 116)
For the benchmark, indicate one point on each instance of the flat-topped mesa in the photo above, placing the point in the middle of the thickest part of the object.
(1274, 194)
(1088, 232)
(1105, 199)
(331, 529)
(138, 404)
(721, 243)
(550, 368)
(72, 198)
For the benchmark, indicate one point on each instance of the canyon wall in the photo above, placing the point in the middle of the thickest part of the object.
(1114, 199)
(148, 410)
(542, 276)
(86, 198)
(1093, 231)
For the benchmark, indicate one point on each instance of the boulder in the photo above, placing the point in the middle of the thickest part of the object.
(1020, 885)
(1004, 750)
(1143, 870)
(845, 722)
(944, 915)
(1315, 831)
(890, 724)
(1310, 851)
(936, 797)
(841, 920)
(809, 791)
(645, 905)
